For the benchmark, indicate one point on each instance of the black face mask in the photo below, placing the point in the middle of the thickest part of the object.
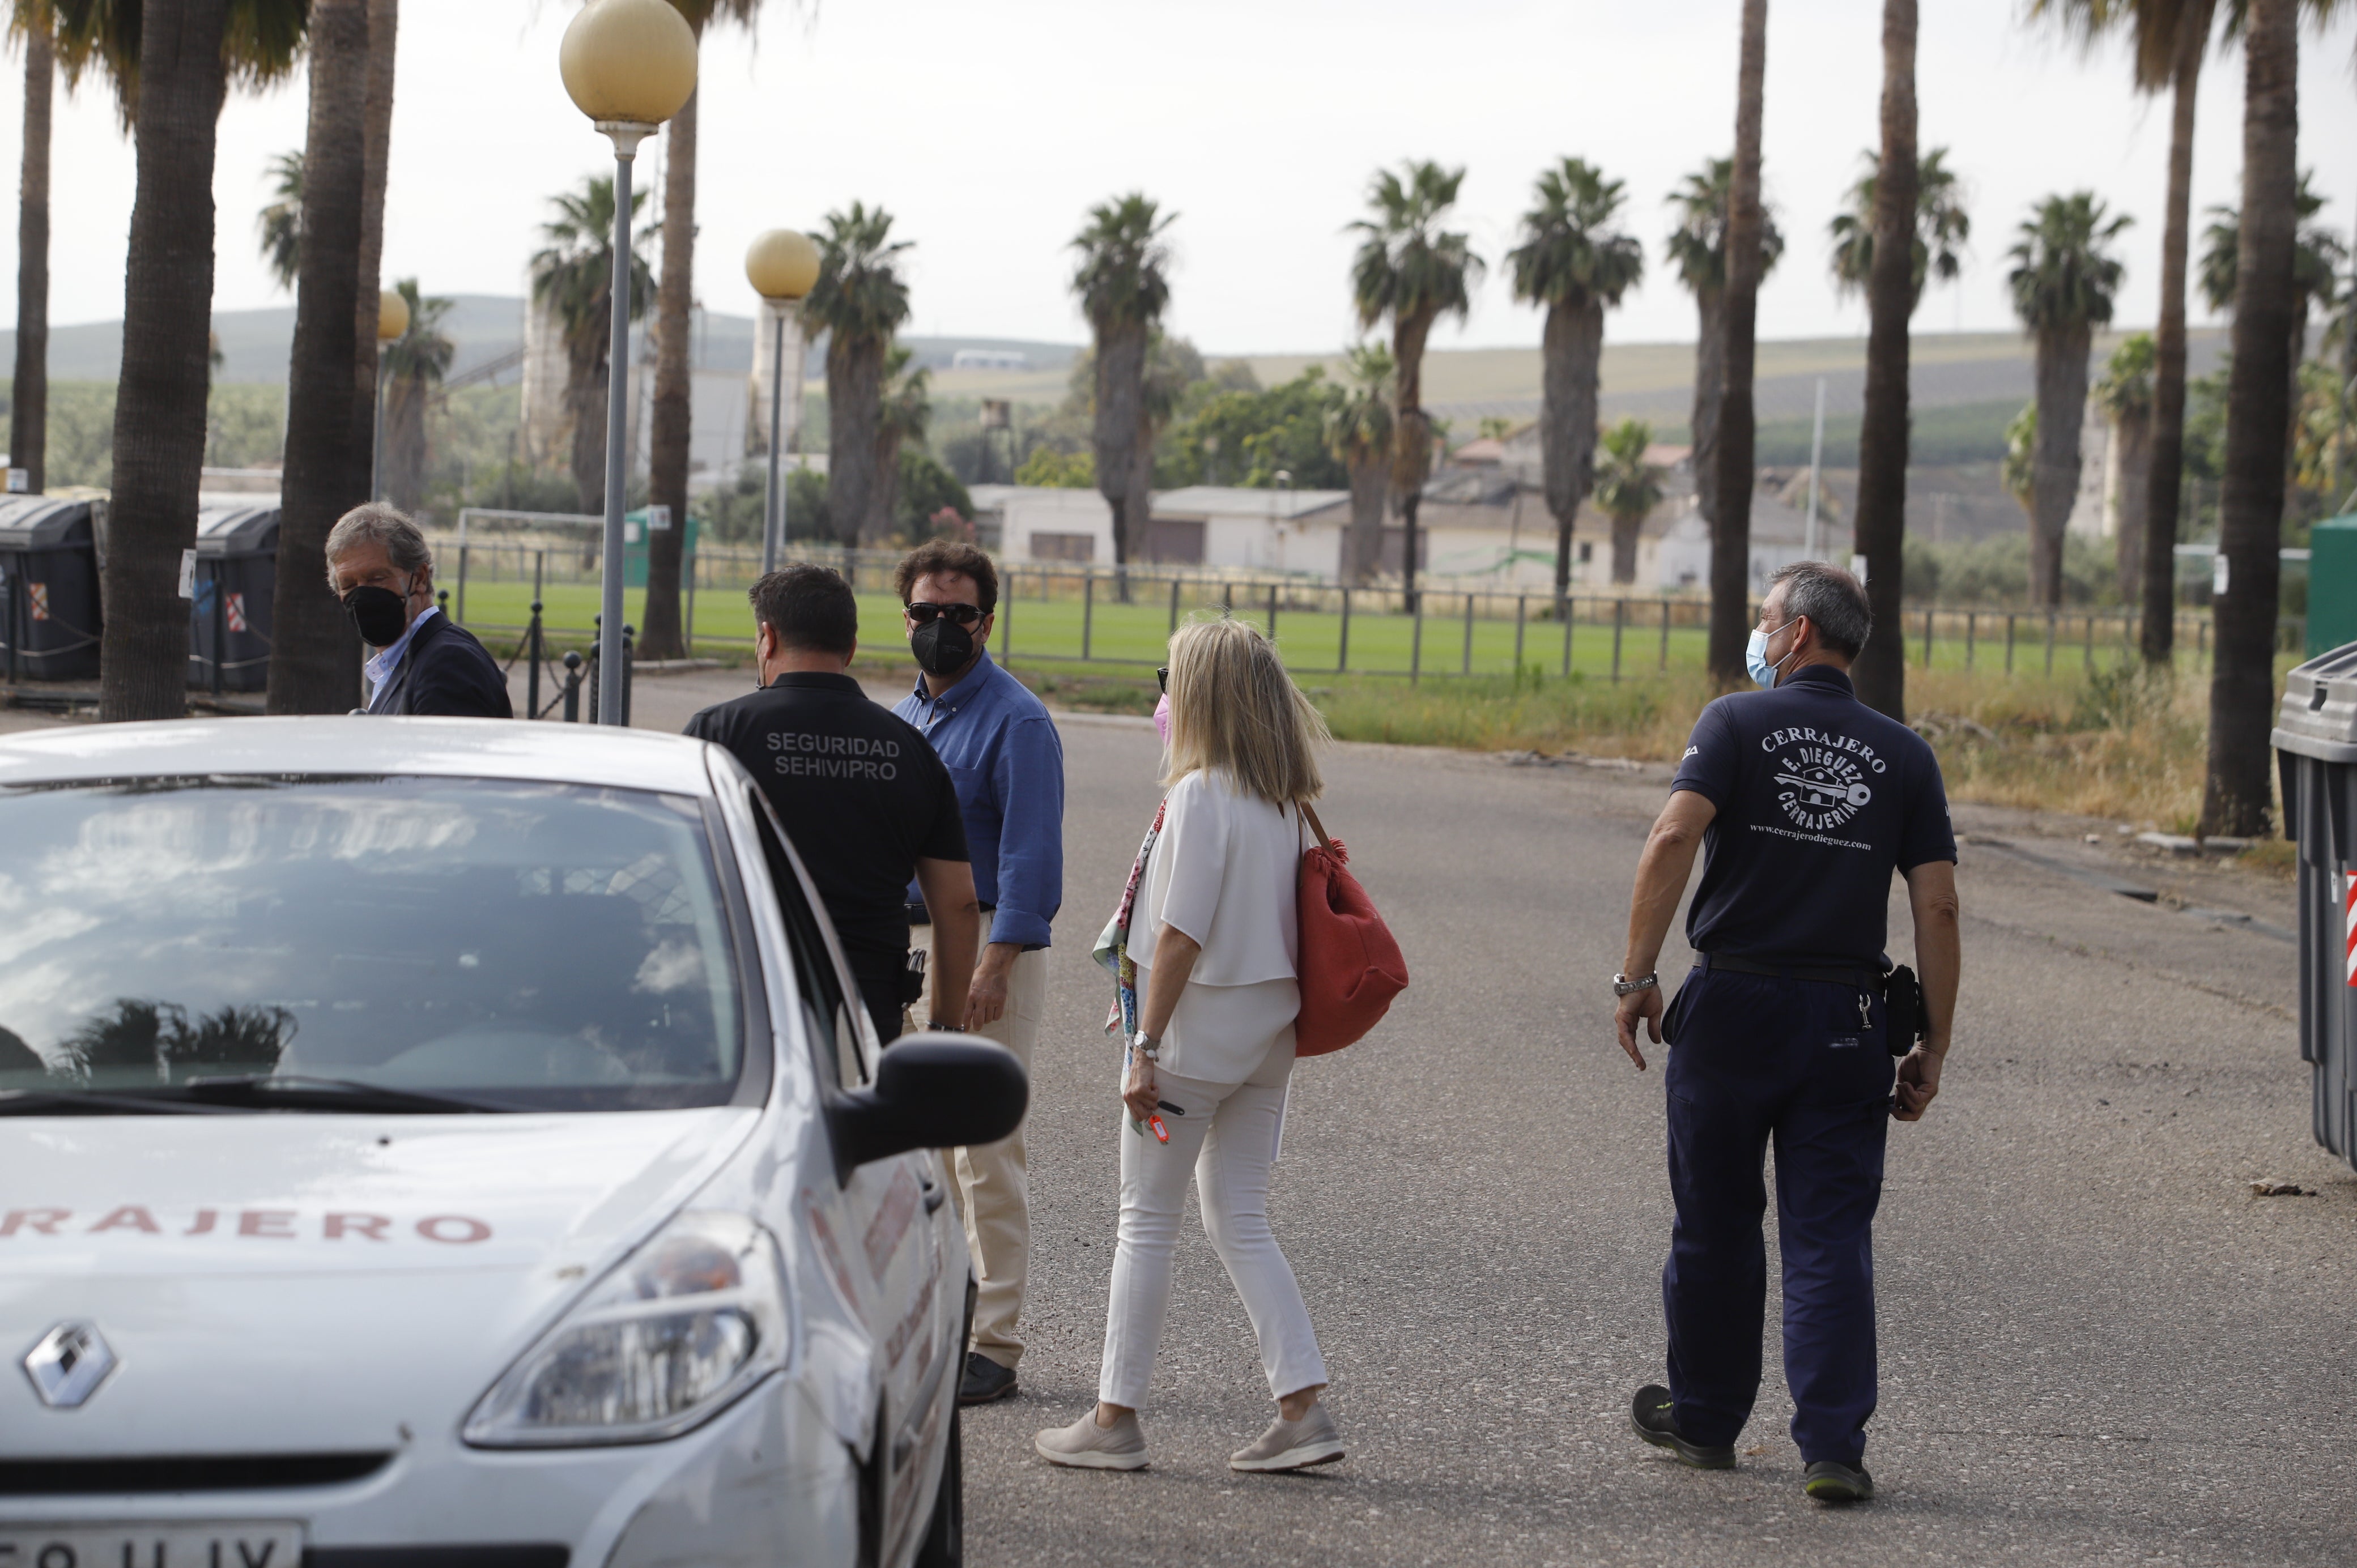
(942, 647)
(380, 614)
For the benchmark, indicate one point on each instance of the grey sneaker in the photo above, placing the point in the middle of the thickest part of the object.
(1293, 1445)
(1085, 1445)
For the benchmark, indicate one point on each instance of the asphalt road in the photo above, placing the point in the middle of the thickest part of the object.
(2096, 1344)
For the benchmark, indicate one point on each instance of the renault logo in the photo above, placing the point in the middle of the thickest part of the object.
(69, 1364)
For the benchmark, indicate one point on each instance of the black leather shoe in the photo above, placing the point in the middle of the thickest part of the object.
(984, 1380)
(1830, 1482)
(1651, 1414)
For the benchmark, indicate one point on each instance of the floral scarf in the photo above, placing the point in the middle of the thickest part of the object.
(1111, 949)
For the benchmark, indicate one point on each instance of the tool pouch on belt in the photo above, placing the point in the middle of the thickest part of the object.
(1902, 1009)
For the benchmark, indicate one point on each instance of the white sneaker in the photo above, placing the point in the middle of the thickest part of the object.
(1293, 1445)
(1085, 1445)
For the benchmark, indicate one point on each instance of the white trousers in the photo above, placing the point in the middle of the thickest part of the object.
(1227, 1135)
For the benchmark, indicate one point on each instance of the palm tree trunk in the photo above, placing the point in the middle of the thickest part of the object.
(1137, 506)
(854, 387)
(2131, 446)
(315, 660)
(383, 27)
(2054, 467)
(2167, 465)
(660, 630)
(2238, 794)
(1709, 392)
(1116, 431)
(28, 408)
(159, 407)
(1570, 352)
(1411, 438)
(1370, 471)
(1730, 542)
(586, 351)
(1882, 442)
(405, 441)
(1625, 530)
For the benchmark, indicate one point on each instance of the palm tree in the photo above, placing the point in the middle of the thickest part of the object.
(376, 153)
(1628, 487)
(670, 423)
(860, 301)
(903, 414)
(29, 405)
(2125, 395)
(1410, 270)
(2318, 254)
(1124, 284)
(2064, 280)
(1697, 248)
(1730, 542)
(1575, 261)
(171, 63)
(415, 363)
(1942, 226)
(314, 667)
(1359, 433)
(2019, 472)
(571, 276)
(2237, 795)
(1914, 225)
(280, 223)
(2169, 38)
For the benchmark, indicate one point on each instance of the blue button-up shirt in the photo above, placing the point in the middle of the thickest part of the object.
(380, 665)
(1007, 762)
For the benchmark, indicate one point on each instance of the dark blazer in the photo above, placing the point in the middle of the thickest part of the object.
(447, 673)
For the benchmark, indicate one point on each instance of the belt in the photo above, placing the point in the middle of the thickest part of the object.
(1854, 975)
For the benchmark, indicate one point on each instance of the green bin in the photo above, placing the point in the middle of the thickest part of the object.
(2331, 584)
(634, 548)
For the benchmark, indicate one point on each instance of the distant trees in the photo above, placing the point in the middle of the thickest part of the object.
(573, 279)
(860, 301)
(2125, 395)
(1628, 488)
(1412, 271)
(1574, 260)
(1124, 284)
(1358, 434)
(1943, 224)
(2064, 281)
(414, 365)
(280, 221)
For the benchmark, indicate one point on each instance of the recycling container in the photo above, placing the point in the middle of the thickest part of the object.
(635, 543)
(2316, 752)
(2331, 584)
(48, 570)
(237, 573)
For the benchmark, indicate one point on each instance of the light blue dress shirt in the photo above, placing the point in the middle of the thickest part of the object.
(380, 665)
(1007, 762)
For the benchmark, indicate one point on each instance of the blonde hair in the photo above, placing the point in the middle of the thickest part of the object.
(1234, 710)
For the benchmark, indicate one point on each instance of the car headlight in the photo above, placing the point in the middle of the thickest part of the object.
(661, 1345)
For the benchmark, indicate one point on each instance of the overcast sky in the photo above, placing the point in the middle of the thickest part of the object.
(988, 129)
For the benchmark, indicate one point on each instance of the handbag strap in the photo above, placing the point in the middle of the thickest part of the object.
(1310, 812)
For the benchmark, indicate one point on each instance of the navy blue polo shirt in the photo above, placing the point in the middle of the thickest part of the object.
(1820, 798)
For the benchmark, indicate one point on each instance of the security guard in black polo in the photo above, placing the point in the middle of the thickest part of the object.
(1803, 800)
(864, 799)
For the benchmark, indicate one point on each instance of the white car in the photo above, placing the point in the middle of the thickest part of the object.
(455, 1143)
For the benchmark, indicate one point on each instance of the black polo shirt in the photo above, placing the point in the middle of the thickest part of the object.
(1820, 798)
(860, 792)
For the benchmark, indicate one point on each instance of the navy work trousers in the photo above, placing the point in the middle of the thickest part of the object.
(1752, 1059)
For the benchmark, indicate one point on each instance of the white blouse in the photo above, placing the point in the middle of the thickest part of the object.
(1223, 872)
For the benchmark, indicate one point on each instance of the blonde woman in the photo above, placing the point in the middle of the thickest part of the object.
(1212, 933)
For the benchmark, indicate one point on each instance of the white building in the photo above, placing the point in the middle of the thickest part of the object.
(1199, 525)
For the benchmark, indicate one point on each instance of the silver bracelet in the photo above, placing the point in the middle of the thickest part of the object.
(1624, 985)
(1149, 1045)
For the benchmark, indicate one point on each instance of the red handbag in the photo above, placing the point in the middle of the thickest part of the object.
(1351, 967)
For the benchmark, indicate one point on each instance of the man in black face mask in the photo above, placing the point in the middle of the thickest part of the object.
(420, 663)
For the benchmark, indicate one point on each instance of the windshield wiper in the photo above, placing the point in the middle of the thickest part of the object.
(79, 1102)
(295, 1091)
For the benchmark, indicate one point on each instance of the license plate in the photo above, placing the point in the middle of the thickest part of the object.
(228, 1543)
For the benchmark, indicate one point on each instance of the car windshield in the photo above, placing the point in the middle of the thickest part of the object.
(513, 944)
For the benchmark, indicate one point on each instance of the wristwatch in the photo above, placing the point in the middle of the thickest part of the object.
(1149, 1045)
(1622, 986)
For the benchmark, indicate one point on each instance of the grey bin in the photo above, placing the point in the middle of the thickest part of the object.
(49, 588)
(2316, 750)
(237, 573)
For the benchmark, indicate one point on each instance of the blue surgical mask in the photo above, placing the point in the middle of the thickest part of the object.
(1755, 657)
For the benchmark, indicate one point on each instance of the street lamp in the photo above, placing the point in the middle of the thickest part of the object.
(782, 267)
(630, 65)
(391, 322)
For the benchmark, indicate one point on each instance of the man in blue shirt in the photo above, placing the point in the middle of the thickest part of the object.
(1008, 763)
(1803, 800)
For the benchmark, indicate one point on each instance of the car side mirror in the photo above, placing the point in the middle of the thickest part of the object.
(932, 1092)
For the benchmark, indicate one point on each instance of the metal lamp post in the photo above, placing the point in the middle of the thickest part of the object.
(630, 65)
(782, 267)
(392, 324)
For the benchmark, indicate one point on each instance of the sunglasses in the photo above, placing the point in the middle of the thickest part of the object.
(924, 613)
(1162, 679)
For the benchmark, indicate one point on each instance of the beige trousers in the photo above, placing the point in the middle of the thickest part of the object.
(991, 1183)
